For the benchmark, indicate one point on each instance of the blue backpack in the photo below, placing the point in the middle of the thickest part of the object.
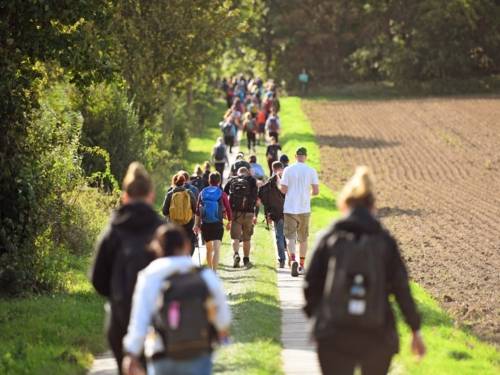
(211, 205)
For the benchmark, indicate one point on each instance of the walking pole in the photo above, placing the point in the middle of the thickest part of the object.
(198, 246)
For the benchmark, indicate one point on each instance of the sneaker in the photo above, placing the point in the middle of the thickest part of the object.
(246, 262)
(236, 259)
(295, 269)
(302, 271)
(282, 263)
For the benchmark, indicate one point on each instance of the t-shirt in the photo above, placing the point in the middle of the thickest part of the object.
(272, 151)
(298, 178)
(303, 77)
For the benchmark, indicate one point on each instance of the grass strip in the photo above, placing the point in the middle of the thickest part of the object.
(52, 334)
(451, 349)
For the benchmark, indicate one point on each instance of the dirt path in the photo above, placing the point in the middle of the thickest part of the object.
(437, 167)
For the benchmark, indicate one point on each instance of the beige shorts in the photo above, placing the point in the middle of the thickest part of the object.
(242, 226)
(297, 226)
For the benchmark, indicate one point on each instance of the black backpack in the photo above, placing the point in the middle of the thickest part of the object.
(272, 152)
(272, 199)
(240, 194)
(131, 258)
(220, 153)
(355, 292)
(182, 320)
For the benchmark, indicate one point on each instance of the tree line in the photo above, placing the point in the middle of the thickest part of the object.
(85, 88)
(358, 40)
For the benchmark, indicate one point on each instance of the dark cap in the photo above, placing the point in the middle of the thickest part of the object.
(301, 151)
(284, 158)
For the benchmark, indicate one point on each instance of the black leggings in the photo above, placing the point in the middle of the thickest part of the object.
(251, 140)
(189, 231)
(335, 363)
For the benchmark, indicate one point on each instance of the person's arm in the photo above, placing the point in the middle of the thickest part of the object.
(402, 293)
(223, 312)
(227, 207)
(102, 267)
(166, 204)
(315, 278)
(283, 182)
(315, 183)
(143, 306)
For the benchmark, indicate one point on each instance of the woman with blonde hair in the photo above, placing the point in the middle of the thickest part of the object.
(355, 268)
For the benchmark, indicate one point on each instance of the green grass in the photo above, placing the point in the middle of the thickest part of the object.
(451, 349)
(52, 334)
(386, 90)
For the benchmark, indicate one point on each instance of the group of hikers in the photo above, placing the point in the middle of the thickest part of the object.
(166, 313)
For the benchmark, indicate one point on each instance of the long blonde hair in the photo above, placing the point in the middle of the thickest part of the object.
(359, 190)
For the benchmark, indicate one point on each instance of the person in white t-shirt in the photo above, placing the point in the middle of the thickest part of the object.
(299, 182)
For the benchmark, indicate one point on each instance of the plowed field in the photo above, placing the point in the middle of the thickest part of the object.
(437, 168)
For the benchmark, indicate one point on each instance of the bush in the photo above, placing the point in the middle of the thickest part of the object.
(110, 123)
(61, 221)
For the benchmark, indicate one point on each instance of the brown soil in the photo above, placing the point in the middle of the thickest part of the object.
(437, 169)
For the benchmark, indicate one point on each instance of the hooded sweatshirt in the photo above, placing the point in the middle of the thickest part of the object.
(121, 253)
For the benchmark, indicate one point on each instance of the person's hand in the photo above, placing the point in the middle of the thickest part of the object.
(228, 226)
(132, 366)
(254, 220)
(196, 230)
(417, 345)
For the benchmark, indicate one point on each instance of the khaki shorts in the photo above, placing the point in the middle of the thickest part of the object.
(297, 226)
(242, 226)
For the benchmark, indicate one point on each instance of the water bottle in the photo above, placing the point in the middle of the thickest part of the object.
(174, 315)
(357, 303)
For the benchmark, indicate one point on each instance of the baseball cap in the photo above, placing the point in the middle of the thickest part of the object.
(301, 151)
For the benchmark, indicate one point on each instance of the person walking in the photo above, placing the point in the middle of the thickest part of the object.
(206, 173)
(272, 154)
(179, 312)
(273, 200)
(261, 126)
(256, 169)
(229, 132)
(355, 269)
(284, 160)
(179, 206)
(242, 191)
(239, 162)
(213, 205)
(219, 156)
(273, 125)
(197, 178)
(298, 182)
(250, 128)
(304, 82)
(121, 252)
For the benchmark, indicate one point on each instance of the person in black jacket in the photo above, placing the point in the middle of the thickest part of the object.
(343, 347)
(273, 200)
(121, 253)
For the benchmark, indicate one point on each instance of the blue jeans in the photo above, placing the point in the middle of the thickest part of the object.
(201, 365)
(279, 230)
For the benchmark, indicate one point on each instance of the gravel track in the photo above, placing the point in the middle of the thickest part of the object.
(437, 168)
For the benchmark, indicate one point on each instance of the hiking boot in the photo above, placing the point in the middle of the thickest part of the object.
(246, 262)
(302, 271)
(236, 259)
(282, 263)
(295, 269)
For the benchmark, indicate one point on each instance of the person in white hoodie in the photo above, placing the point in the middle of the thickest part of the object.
(172, 246)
